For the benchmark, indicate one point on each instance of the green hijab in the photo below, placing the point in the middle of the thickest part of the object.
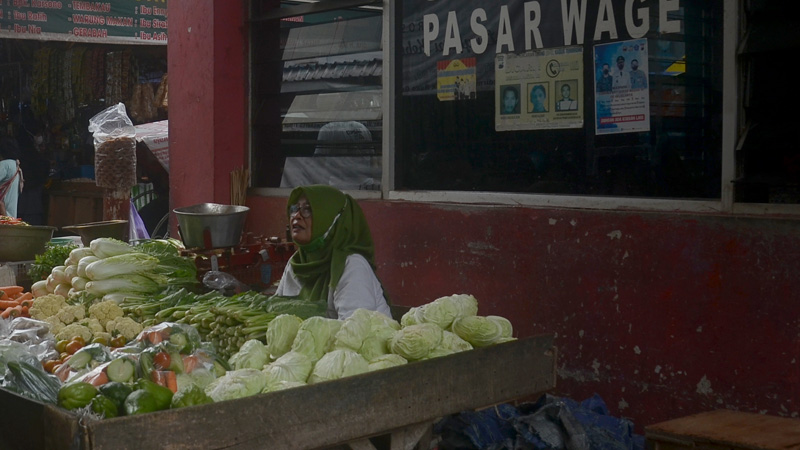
(338, 229)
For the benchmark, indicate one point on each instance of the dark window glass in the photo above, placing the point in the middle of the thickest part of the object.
(316, 95)
(454, 144)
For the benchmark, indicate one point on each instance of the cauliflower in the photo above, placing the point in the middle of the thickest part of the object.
(55, 325)
(92, 324)
(124, 326)
(103, 336)
(105, 311)
(72, 330)
(46, 306)
(71, 313)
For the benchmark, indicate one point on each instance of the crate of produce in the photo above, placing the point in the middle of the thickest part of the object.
(398, 400)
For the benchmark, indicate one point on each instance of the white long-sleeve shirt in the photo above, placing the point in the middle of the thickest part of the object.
(358, 288)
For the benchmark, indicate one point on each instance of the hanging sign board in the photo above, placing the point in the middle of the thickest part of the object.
(109, 22)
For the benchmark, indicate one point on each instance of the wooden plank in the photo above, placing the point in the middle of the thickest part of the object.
(21, 422)
(728, 429)
(340, 411)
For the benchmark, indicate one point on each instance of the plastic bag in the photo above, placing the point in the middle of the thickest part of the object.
(223, 282)
(114, 148)
(34, 334)
(136, 230)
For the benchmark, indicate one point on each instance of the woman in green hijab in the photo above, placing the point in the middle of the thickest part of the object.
(335, 257)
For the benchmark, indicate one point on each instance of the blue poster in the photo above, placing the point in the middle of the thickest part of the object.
(622, 100)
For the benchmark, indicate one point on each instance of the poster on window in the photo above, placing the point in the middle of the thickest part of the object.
(622, 100)
(539, 90)
(455, 79)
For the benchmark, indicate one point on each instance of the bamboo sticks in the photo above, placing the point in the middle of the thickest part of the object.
(240, 181)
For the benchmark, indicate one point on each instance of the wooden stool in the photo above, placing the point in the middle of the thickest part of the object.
(725, 430)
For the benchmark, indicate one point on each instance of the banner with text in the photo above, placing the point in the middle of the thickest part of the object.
(109, 22)
(447, 30)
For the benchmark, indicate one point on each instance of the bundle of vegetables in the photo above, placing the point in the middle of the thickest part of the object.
(166, 366)
(226, 322)
(24, 375)
(110, 269)
(14, 302)
(53, 256)
(305, 351)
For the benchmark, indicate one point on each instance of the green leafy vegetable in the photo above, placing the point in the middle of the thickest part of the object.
(292, 366)
(281, 333)
(386, 361)
(414, 342)
(338, 364)
(54, 255)
(252, 355)
(481, 331)
(237, 384)
(192, 395)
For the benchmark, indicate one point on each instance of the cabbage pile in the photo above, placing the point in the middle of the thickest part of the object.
(317, 349)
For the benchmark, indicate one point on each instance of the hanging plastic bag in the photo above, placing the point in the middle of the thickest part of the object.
(114, 148)
(137, 230)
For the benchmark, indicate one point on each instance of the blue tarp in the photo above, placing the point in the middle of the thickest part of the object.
(550, 423)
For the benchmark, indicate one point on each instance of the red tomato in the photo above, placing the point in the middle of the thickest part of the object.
(73, 346)
(118, 341)
(49, 365)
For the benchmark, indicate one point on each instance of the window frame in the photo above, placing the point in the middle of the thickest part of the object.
(731, 112)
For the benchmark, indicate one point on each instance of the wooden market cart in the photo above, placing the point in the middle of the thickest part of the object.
(401, 402)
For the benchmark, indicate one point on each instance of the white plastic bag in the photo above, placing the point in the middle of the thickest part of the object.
(114, 148)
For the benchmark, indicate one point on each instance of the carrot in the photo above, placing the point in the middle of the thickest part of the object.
(190, 362)
(62, 372)
(26, 311)
(153, 337)
(166, 378)
(28, 302)
(97, 379)
(12, 290)
(11, 312)
(8, 303)
(24, 296)
(172, 381)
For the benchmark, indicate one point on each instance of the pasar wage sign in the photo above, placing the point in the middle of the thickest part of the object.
(573, 18)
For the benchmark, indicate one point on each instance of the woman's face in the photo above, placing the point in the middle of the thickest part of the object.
(509, 101)
(538, 97)
(300, 221)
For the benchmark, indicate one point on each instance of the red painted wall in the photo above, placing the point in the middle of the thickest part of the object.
(207, 92)
(663, 315)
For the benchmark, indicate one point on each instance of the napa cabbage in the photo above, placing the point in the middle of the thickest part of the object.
(127, 263)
